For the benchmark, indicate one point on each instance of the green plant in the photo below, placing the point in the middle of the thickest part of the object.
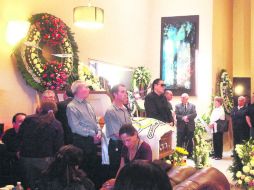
(202, 147)
(141, 77)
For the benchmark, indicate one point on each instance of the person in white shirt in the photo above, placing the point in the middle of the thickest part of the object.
(218, 113)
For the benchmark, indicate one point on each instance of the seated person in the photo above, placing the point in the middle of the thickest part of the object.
(141, 174)
(133, 148)
(64, 173)
(11, 142)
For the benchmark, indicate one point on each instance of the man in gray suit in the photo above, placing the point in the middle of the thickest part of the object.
(185, 115)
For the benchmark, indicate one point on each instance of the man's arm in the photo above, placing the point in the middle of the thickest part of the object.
(150, 108)
(248, 121)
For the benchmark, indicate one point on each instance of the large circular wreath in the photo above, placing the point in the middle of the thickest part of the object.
(47, 58)
(226, 91)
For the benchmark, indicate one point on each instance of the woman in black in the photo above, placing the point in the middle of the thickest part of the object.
(41, 135)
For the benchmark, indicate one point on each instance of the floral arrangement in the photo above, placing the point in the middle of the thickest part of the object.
(47, 58)
(52, 29)
(225, 90)
(243, 165)
(178, 157)
(86, 75)
(202, 147)
(141, 78)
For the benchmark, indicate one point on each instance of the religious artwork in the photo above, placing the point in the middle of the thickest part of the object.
(179, 42)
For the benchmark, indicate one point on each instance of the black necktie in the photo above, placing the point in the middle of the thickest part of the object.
(185, 108)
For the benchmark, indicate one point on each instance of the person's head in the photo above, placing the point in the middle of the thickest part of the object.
(247, 99)
(218, 101)
(184, 98)
(65, 164)
(142, 175)
(47, 111)
(169, 95)
(119, 93)
(17, 120)
(241, 101)
(48, 106)
(80, 89)
(48, 95)
(128, 135)
(158, 86)
(68, 93)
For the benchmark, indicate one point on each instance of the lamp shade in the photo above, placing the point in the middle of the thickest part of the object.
(88, 17)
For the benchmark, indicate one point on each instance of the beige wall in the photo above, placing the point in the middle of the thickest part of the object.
(123, 41)
(222, 38)
(252, 46)
(131, 37)
(241, 36)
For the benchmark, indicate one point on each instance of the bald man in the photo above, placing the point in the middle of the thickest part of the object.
(185, 115)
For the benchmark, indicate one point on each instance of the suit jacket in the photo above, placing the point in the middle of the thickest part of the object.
(157, 107)
(190, 113)
(62, 117)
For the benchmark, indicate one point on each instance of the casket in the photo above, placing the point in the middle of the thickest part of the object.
(157, 134)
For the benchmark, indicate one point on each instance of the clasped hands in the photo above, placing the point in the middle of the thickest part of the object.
(185, 119)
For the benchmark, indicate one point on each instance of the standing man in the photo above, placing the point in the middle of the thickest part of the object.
(156, 105)
(185, 115)
(116, 116)
(61, 115)
(169, 96)
(250, 117)
(241, 130)
(83, 124)
(12, 143)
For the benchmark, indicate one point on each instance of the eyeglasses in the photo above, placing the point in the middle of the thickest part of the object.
(163, 85)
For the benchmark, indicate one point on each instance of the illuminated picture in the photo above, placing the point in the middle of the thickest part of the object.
(179, 41)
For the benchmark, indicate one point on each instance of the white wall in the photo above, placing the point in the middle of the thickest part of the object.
(168, 8)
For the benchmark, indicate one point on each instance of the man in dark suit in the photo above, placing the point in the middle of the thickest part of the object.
(185, 115)
(156, 104)
(61, 115)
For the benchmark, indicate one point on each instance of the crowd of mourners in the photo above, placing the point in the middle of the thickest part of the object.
(57, 147)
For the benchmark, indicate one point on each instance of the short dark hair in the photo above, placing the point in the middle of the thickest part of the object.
(156, 81)
(115, 89)
(127, 129)
(15, 116)
(140, 175)
(68, 91)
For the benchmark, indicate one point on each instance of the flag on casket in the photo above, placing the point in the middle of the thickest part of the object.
(151, 131)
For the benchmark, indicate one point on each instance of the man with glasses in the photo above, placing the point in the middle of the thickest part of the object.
(156, 105)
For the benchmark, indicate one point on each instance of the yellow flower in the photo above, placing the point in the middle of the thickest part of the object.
(239, 182)
(181, 150)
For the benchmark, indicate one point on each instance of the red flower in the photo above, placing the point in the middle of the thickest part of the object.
(44, 75)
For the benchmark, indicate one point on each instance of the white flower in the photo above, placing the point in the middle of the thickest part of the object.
(238, 174)
(247, 179)
(246, 169)
(252, 162)
(239, 182)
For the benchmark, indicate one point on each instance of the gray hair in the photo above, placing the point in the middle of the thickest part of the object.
(76, 84)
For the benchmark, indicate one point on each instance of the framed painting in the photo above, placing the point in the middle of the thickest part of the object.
(179, 42)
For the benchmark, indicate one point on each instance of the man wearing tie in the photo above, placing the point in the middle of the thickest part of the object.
(185, 115)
